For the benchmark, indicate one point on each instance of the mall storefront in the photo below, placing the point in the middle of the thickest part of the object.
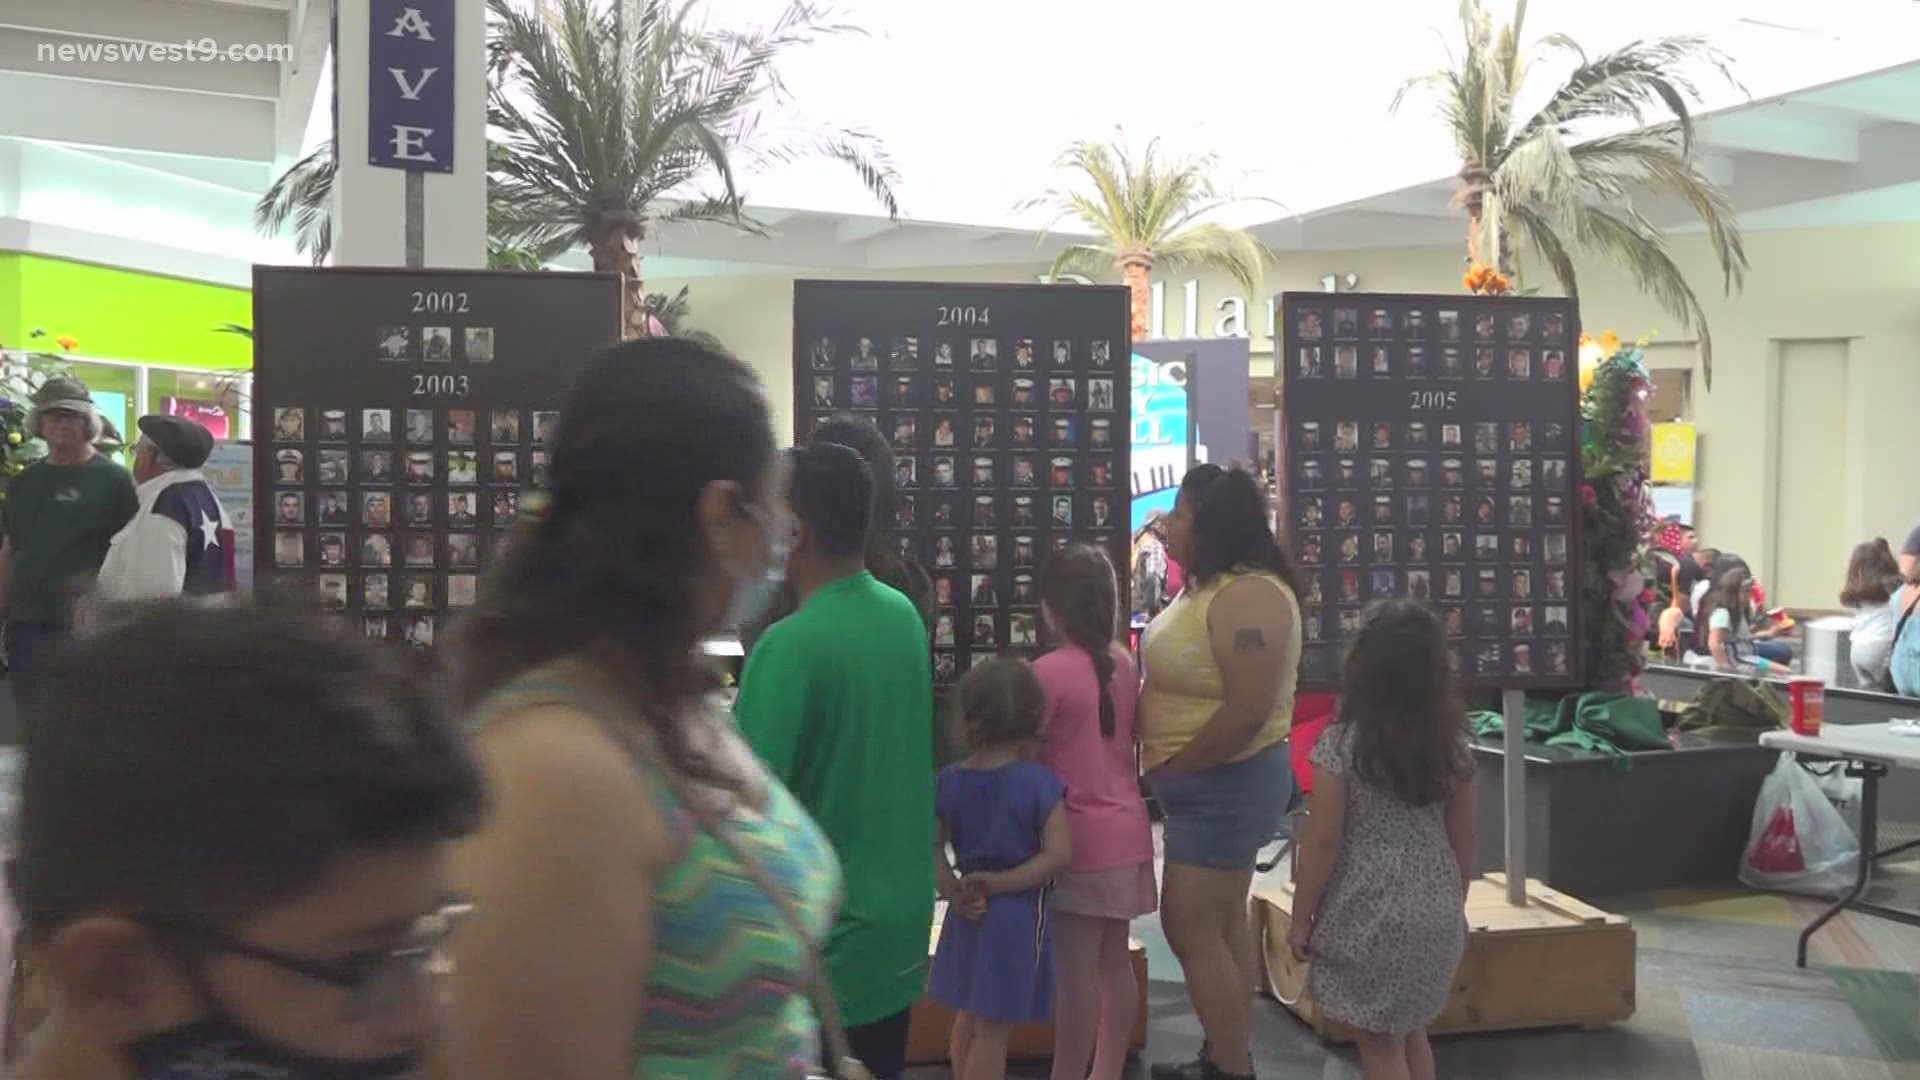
(142, 343)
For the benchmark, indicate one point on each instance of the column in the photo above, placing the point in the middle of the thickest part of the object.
(370, 202)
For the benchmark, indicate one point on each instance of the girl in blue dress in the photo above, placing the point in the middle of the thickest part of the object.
(1005, 817)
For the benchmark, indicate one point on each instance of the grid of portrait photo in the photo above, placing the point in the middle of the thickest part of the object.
(1433, 454)
(392, 510)
(1008, 445)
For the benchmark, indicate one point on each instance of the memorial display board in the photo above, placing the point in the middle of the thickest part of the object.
(1007, 409)
(1432, 451)
(402, 425)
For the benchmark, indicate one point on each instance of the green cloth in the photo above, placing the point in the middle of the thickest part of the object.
(837, 699)
(1603, 723)
(61, 520)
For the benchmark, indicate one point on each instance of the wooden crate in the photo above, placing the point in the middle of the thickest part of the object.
(932, 1021)
(1555, 963)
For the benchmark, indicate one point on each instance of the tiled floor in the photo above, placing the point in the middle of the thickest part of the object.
(1719, 998)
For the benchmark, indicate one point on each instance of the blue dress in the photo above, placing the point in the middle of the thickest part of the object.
(1001, 968)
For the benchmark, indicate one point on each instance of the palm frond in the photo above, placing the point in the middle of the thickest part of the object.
(303, 195)
(1147, 206)
(1637, 245)
(1652, 160)
(1632, 82)
(1083, 258)
(611, 110)
(1233, 251)
(1540, 234)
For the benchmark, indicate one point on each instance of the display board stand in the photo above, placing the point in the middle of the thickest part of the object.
(404, 418)
(1003, 405)
(1513, 713)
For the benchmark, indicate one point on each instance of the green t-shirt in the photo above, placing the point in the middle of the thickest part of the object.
(62, 519)
(837, 699)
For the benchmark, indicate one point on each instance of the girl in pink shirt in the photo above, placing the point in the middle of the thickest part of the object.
(1092, 691)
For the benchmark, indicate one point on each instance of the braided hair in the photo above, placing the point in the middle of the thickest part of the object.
(1082, 597)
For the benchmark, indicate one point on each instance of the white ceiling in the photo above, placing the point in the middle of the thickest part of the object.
(249, 112)
(1291, 98)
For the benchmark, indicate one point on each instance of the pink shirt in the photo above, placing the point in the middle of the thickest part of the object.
(1104, 808)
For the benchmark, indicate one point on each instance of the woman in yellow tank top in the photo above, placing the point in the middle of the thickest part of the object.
(1221, 666)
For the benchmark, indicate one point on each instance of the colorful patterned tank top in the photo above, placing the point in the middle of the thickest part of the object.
(727, 994)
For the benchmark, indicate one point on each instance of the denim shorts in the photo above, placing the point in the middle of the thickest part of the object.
(1221, 817)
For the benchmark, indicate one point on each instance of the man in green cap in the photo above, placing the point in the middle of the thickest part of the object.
(59, 517)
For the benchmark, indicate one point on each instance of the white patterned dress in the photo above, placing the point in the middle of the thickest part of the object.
(1392, 924)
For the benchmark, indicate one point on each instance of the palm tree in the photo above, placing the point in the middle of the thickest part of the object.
(1146, 214)
(611, 111)
(1529, 177)
(303, 195)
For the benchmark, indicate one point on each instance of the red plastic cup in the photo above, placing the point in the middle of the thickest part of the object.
(1808, 696)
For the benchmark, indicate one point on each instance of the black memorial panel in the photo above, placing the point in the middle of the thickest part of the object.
(1432, 451)
(407, 415)
(1007, 407)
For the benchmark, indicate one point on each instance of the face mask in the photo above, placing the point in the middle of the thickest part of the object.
(217, 1046)
(754, 596)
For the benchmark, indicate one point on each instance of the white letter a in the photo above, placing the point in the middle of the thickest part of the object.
(412, 22)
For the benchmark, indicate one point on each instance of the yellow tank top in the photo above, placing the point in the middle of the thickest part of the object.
(1183, 682)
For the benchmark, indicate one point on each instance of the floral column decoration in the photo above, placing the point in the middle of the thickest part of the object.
(1616, 510)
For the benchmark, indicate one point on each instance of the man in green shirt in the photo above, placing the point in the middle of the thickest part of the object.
(837, 699)
(60, 516)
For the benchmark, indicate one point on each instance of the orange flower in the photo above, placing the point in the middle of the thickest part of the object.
(1609, 343)
(66, 343)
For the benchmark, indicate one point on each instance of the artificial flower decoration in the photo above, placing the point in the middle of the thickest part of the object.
(1485, 280)
(1617, 511)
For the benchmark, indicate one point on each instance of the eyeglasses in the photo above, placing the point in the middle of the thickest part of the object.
(375, 980)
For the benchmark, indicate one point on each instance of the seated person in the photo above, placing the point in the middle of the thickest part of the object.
(1903, 664)
(254, 888)
(1872, 578)
(1728, 616)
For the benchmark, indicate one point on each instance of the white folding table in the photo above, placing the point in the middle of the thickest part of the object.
(1869, 751)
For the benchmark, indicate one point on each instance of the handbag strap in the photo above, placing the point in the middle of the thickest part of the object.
(842, 1064)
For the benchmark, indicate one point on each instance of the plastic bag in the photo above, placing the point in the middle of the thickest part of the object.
(1842, 791)
(1799, 843)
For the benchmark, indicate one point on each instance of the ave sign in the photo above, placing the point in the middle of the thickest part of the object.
(410, 85)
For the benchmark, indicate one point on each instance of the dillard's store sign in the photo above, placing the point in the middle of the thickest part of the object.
(410, 85)
(1230, 311)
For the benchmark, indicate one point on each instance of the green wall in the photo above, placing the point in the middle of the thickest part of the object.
(121, 314)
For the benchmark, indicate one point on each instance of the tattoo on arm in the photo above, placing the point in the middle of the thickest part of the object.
(1249, 639)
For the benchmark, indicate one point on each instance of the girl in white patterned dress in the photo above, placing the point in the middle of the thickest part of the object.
(1380, 895)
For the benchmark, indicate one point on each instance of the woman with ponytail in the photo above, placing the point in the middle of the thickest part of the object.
(1092, 690)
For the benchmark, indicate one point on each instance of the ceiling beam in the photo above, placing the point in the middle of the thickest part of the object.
(125, 118)
(1781, 133)
(857, 230)
(1893, 96)
(310, 32)
(1428, 200)
(159, 21)
(70, 56)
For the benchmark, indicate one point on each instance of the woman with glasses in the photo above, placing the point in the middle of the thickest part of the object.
(233, 836)
(646, 897)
